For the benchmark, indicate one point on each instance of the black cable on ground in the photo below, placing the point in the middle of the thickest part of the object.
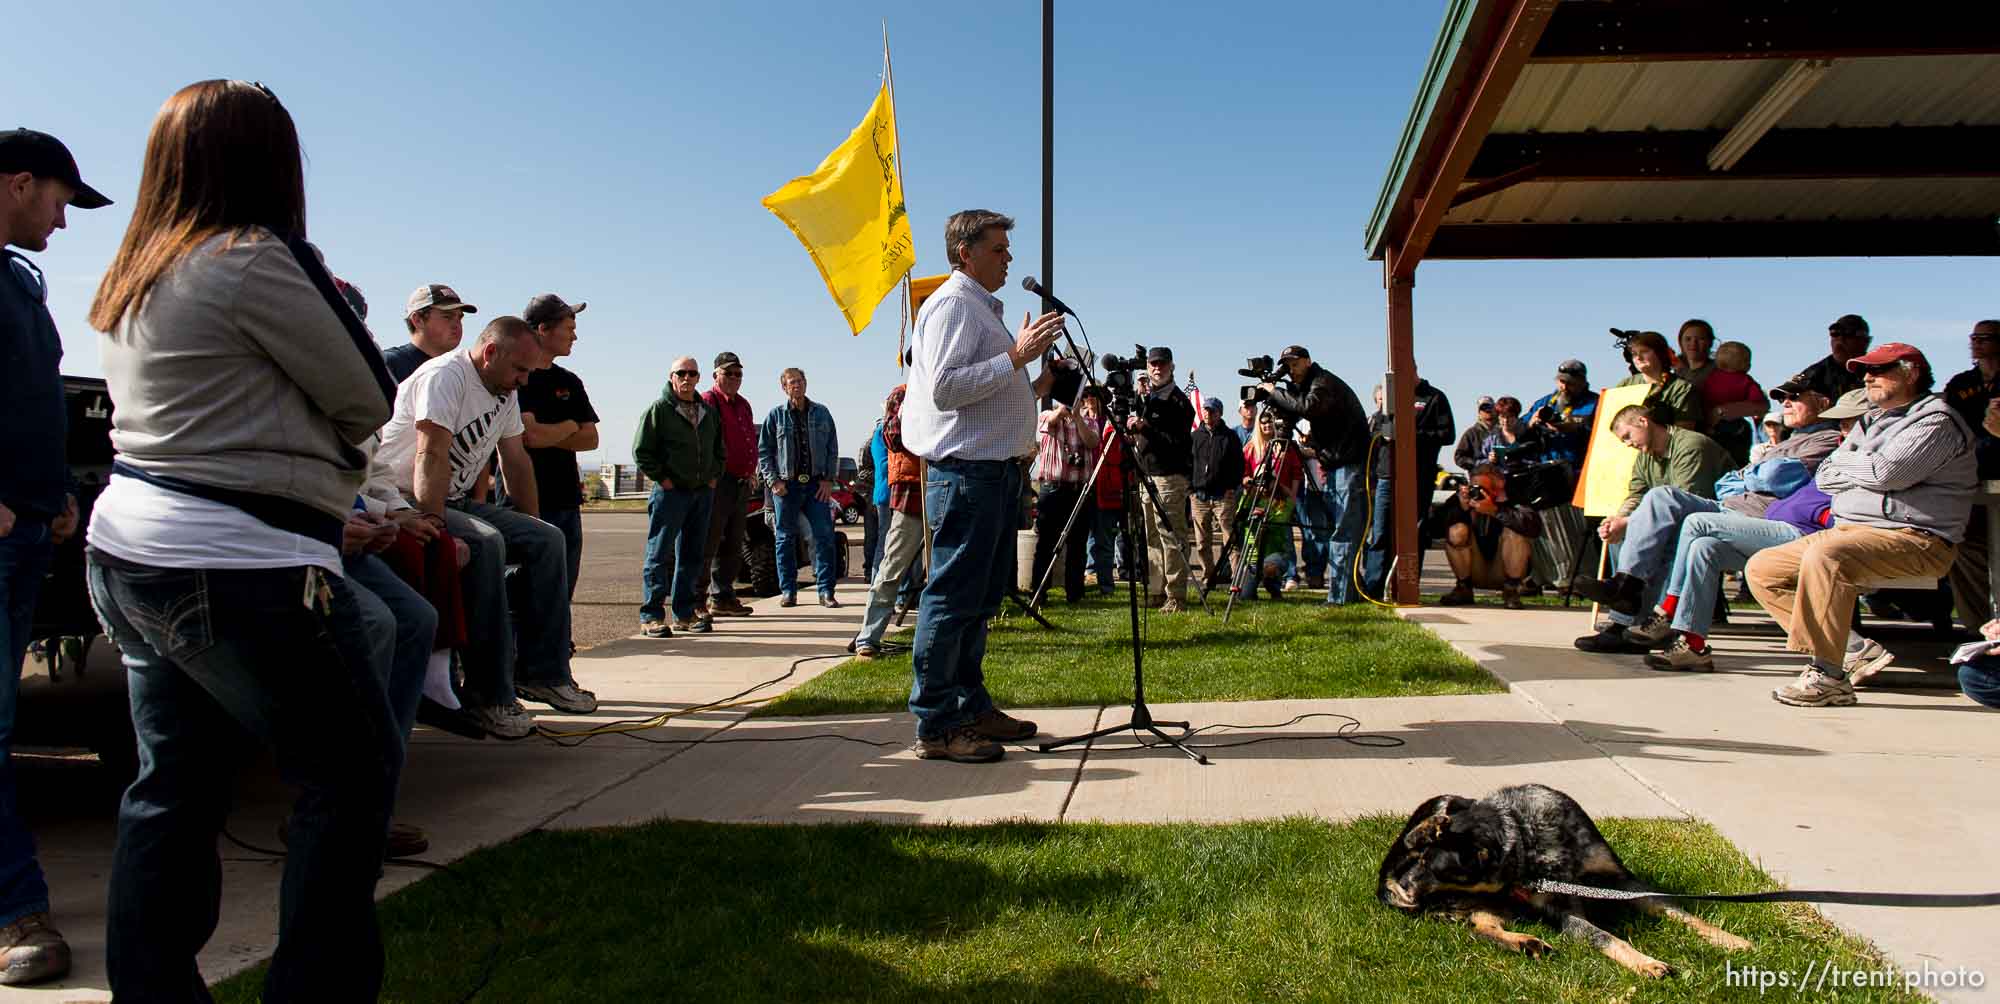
(1348, 733)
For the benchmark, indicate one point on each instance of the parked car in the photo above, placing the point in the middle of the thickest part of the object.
(846, 507)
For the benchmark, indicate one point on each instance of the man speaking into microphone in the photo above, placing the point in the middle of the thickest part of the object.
(970, 412)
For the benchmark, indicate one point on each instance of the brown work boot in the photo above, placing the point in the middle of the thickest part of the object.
(731, 607)
(960, 745)
(406, 840)
(994, 723)
(1460, 595)
(1510, 596)
(32, 951)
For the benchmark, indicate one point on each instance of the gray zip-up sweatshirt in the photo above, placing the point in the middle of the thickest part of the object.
(1905, 467)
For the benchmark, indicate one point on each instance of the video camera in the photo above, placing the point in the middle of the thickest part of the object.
(1118, 378)
(1261, 370)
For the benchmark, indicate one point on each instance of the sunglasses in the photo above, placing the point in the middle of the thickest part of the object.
(687, 374)
(1881, 369)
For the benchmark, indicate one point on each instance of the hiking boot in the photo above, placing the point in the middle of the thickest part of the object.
(1171, 606)
(1621, 592)
(994, 723)
(32, 951)
(1680, 656)
(865, 652)
(829, 601)
(1530, 589)
(565, 697)
(790, 600)
(655, 629)
(1814, 689)
(1510, 597)
(1460, 595)
(960, 745)
(701, 611)
(729, 607)
(406, 840)
(502, 721)
(1652, 632)
(1609, 640)
(1862, 664)
(694, 625)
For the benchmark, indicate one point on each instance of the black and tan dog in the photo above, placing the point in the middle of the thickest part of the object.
(1475, 861)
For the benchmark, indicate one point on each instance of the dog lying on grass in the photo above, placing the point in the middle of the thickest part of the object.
(1475, 861)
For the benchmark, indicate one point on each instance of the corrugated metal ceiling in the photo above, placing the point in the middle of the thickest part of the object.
(1704, 201)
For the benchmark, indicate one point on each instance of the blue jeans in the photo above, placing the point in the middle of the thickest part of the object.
(1346, 516)
(970, 506)
(676, 531)
(24, 559)
(1980, 680)
(493, 660)
(1710, 544)
(1650, 534)
(408, 627)
(570, 522)
(797, 501)
(1106, 545)
(1314, 514)
(1381, 545)
(217, 661)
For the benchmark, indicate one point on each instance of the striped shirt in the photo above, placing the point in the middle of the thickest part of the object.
(1063, 457)
(966, 400)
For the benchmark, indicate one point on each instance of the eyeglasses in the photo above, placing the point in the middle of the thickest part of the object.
(687, 374)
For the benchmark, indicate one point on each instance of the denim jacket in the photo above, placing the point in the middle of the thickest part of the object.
(775, 444)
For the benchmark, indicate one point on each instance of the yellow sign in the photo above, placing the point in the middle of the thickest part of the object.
(850, 216)
(1607, 469)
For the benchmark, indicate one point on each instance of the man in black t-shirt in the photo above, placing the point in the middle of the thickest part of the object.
(1846, 337)
(1972, 394)
(435, 317)
(560, 424)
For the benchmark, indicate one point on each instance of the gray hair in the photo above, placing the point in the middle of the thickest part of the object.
(967, 227)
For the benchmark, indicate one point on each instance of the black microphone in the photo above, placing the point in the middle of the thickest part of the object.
(1028, 283)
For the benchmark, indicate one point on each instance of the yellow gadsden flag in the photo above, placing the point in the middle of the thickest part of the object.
(849, 214)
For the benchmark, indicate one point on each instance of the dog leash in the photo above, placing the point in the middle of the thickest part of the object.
(1911, 899)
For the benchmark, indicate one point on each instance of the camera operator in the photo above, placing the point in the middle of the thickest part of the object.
(1567, 415)
(1340, 444)
(1488, 540)
(1162, 440)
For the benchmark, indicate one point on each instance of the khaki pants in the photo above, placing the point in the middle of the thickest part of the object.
(1211, 532)
(1166, 546)
(1809, 585)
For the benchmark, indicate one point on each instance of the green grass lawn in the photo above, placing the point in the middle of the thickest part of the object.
(1089, 913)
(1293, 648)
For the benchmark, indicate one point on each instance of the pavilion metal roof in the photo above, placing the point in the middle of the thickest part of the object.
(1723, 128)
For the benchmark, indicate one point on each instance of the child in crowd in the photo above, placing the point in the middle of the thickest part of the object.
(1731, 383)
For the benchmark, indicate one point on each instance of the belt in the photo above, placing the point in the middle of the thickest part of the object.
(954, 464)
(802, 478)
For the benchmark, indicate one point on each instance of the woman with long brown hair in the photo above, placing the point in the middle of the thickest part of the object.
(241, 388)
(1669, 397)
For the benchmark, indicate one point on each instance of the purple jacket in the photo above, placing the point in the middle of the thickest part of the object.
(1808, 509)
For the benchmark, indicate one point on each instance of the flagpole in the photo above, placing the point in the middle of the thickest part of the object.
(896, 131)
(1048, 151)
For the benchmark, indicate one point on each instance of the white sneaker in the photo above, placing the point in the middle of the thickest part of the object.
(503, 721)
(565, 697)
(1862, 665)
(1814, 689)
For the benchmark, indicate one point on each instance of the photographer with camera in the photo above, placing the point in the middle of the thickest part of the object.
(1340, 445)
(1162, 441)
(1564, 417)
(1488, 540)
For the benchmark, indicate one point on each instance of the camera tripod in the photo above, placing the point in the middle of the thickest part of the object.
(1258, 504)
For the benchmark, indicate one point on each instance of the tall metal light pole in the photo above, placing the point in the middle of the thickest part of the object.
(1048, 275)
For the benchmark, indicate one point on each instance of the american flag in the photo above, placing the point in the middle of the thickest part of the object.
(1194, 395)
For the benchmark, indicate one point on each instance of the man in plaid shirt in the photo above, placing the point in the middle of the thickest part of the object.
(1066, 452)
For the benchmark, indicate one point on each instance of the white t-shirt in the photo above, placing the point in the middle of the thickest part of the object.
(446, 391)
(144, 523)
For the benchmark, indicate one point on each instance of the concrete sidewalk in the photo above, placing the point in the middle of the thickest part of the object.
(1622, 740)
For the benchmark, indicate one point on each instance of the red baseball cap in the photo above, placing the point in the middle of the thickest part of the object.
(1887, 352)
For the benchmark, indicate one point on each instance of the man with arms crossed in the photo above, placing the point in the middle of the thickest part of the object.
(970, 411)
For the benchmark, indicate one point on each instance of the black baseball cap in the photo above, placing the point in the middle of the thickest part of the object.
(1159, 354)
(724, 360)
(1294, 352)
(549, 308)
(44, 156)
(1816, 380)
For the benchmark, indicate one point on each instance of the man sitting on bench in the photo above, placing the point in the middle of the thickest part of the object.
(1902, 485)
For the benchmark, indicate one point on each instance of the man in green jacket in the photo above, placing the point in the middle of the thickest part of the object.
(679, 446)
(1669, 457)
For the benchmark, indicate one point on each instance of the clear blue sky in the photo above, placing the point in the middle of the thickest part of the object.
(1214, 175)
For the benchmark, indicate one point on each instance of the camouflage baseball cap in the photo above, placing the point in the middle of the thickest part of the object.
(437, 296)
